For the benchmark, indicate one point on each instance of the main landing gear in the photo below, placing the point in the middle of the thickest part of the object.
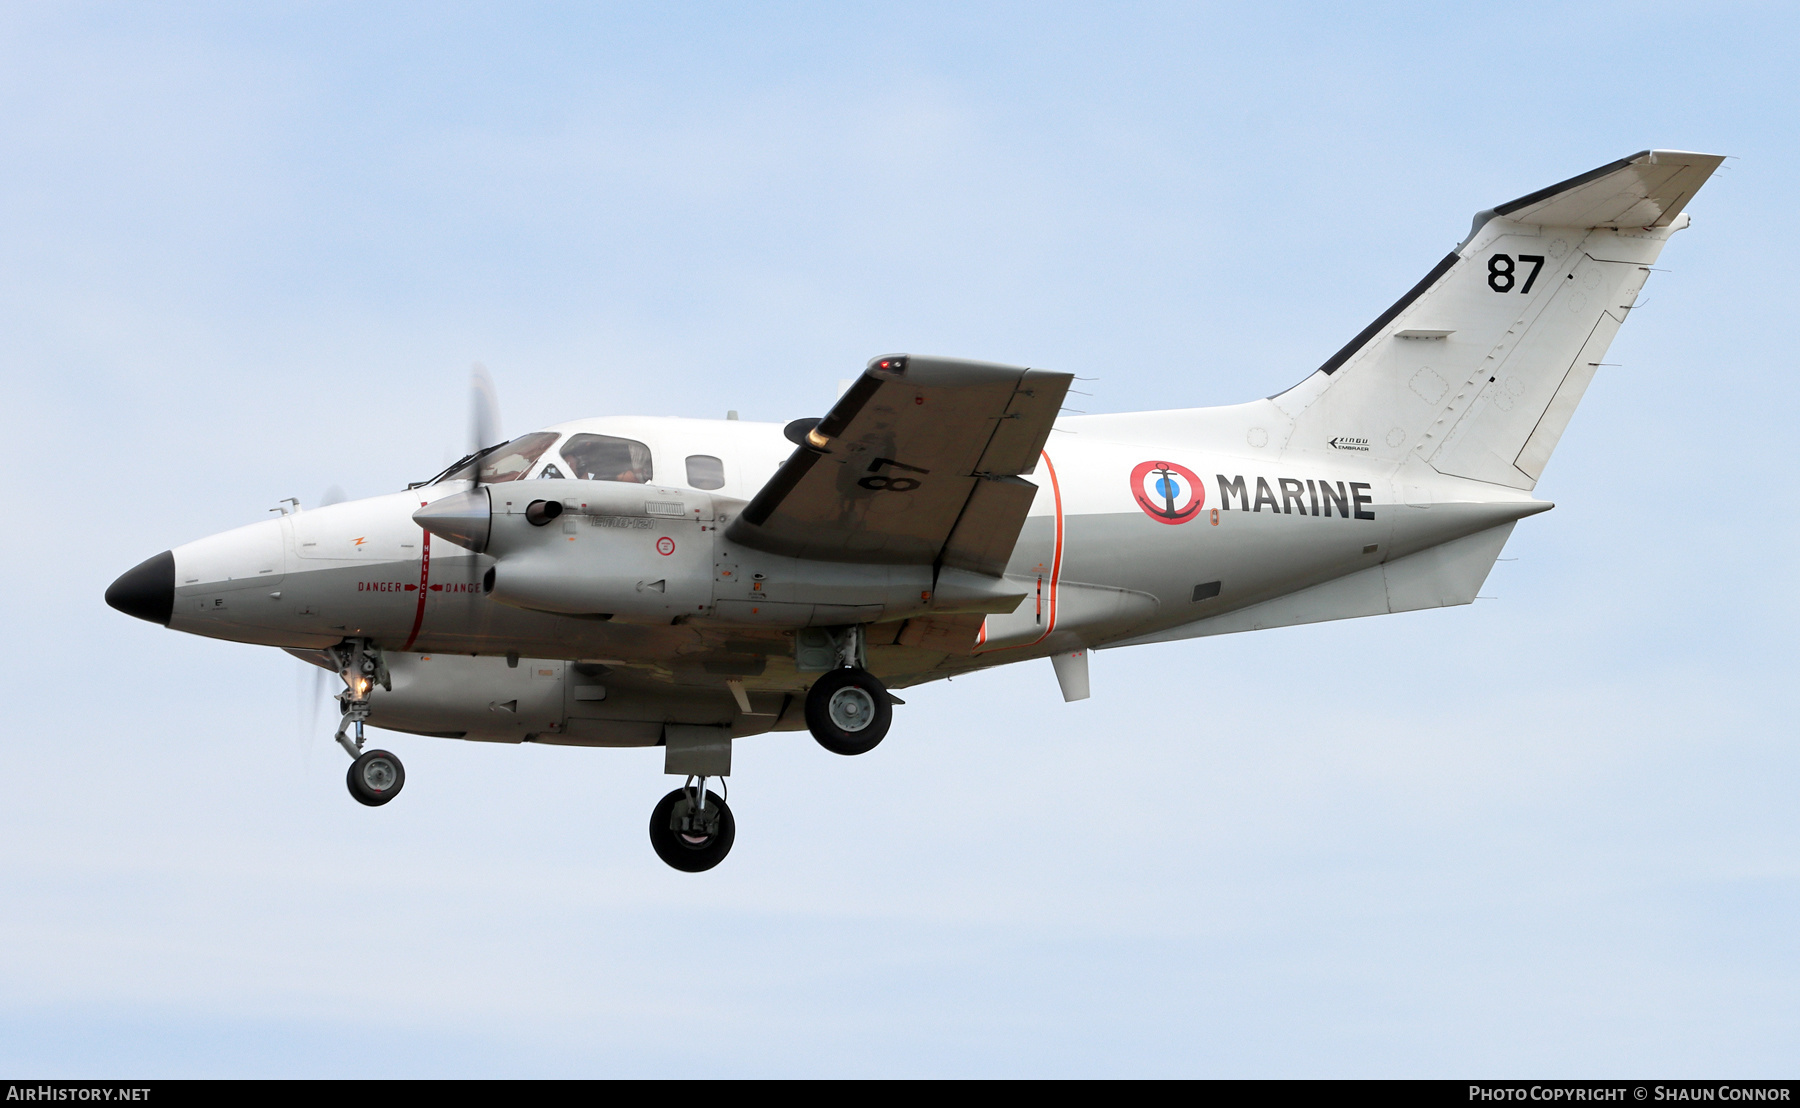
(691, 828)
(375, 777)
(848, 709)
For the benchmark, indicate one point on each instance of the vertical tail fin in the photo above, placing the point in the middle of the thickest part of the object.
(1477, 370)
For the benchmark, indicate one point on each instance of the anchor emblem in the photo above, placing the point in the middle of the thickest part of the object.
(1167, 492)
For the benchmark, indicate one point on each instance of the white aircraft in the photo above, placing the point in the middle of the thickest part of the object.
(687, 583)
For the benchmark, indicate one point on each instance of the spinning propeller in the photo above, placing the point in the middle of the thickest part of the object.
(484, 436)
(484, 429)
(484, 413)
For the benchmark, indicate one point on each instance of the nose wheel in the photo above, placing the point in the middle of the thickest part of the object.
(375, 778)
(848, 711)
(691, 828)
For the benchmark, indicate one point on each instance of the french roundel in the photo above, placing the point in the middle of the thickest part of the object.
(1168, 493)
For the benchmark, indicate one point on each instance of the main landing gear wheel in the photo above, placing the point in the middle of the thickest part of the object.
(692, 838)
(376, 778)
(848, 711)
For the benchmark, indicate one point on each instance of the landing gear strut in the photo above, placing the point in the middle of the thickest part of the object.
(691, 828)
(377, 776)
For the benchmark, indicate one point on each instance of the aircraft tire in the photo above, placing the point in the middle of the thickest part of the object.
(375, 778)
(848, 711)
(689, 853)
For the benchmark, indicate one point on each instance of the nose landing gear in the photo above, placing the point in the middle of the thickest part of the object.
(691, 828)
(377, 776)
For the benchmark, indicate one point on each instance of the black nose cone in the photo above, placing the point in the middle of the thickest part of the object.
(148, 591)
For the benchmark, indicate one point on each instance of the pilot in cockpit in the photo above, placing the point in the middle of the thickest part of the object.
(605, 458)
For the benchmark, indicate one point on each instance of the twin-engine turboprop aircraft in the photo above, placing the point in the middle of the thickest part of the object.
(687, 583)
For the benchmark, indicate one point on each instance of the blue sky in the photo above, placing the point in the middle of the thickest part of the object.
(250, 252)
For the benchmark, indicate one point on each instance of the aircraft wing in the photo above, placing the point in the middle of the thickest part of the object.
(918, 463)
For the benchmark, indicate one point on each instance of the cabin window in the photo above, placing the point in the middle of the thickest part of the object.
(509, 462)
(605, 458)
(705, 471)
(550, 471)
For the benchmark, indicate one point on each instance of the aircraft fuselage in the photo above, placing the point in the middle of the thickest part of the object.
(1124, 540)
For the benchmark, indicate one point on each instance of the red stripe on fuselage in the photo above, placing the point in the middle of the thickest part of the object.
(1056, 553)
(424, 580)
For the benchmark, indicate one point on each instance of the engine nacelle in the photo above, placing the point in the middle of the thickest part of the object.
(638, 553)
(455, 696)
(653, 554)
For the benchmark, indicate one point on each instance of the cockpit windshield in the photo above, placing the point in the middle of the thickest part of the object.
(509, 462)
(604, 458)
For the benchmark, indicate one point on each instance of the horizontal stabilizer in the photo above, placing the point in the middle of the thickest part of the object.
(1647, 189)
